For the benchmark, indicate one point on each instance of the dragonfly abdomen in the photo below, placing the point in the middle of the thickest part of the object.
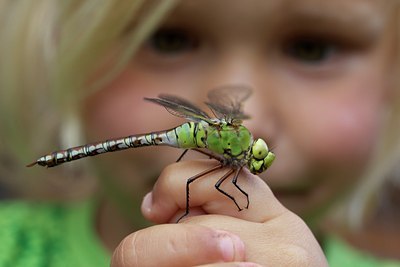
(75, 153)
(187, 135)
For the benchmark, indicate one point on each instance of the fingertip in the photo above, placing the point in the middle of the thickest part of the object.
(147, 205)
(149, 210)
(157, 211)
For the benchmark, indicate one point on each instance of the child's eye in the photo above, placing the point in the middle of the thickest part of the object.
(308, 50)
(172, 41)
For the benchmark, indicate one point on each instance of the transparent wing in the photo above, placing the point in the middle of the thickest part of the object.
(227, 102)
(180, 107)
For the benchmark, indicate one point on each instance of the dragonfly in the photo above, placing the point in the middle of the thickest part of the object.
(222, 137)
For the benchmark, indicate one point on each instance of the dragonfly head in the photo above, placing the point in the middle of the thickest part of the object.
(260, 157)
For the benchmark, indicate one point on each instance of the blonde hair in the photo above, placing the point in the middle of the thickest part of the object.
(48, 50)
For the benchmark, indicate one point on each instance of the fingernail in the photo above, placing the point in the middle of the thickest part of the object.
(147, 203)
(232, 247)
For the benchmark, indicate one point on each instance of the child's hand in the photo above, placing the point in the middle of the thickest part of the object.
(266, 233)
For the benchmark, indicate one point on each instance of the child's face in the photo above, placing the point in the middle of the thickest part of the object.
(318, 69)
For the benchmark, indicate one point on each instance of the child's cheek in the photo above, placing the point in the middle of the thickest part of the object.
(344, 134)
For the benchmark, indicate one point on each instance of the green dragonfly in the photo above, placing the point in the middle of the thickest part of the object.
(222, 137)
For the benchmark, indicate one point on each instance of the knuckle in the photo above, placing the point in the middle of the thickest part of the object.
(125, 254)
(167, 177)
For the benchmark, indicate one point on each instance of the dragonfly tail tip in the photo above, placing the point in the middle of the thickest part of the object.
(31, 164)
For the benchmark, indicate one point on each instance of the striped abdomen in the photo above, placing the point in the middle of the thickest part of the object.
(187, 135)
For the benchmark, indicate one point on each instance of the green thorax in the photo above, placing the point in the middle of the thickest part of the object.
(231, 141)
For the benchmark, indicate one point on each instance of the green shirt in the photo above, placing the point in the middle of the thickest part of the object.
(55, 235)
(340, 254)
(51, 235)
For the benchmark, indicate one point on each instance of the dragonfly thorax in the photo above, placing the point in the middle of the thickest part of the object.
(233, 142)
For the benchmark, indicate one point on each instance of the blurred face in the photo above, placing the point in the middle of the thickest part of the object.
(319, 72)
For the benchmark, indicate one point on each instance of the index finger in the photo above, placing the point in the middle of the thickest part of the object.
(169, 194)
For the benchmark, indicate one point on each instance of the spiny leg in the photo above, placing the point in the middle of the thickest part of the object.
(220, 181)
(182, 155)
(192, 179)
(234, 181)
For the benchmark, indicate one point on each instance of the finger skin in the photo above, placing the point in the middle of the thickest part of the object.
(169, 194)
(273, 235)
(177, 245)
(282, 241)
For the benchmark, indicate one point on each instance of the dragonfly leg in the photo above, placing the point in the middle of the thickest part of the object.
(234, 181)
(182, 155)
(191, 180)
(220, 181)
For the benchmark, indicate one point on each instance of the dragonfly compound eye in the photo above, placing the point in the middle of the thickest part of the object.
(259, 149)
(261, 157)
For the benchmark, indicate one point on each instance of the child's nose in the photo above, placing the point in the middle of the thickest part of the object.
(235, 65)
